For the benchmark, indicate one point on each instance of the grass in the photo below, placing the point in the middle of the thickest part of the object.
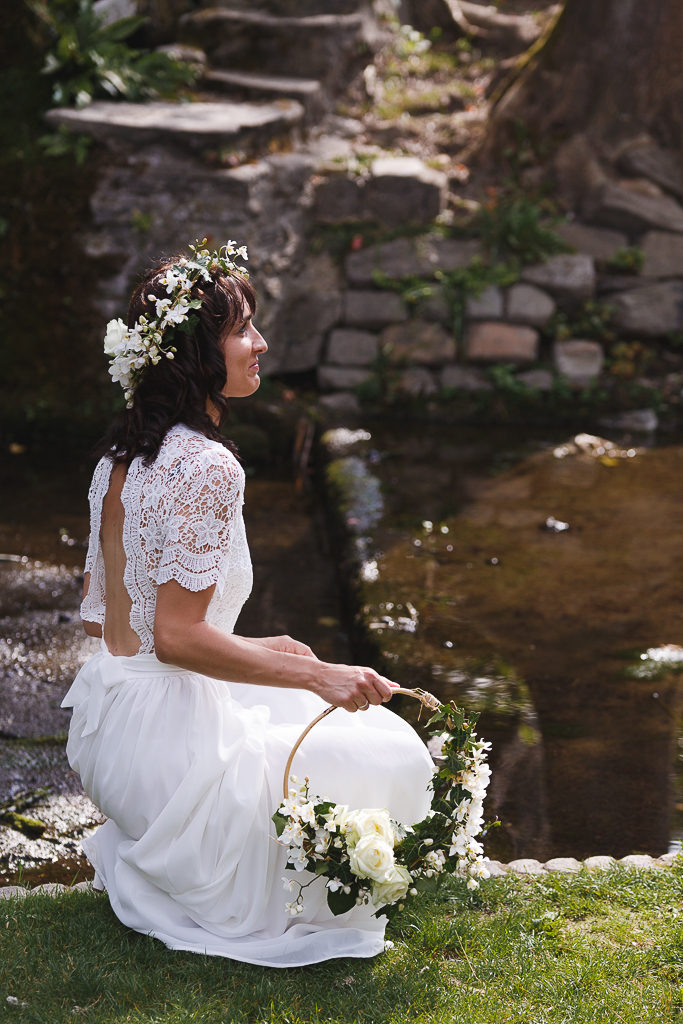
(603, 947)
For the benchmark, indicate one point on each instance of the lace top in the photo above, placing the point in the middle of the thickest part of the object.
(182, 521)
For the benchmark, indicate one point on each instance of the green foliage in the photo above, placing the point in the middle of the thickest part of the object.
(628, 259)
(591, 321)
(64, 142)
(89, 60)
(512, 227)
(629, 358)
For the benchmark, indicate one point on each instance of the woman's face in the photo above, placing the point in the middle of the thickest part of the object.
(242, 348)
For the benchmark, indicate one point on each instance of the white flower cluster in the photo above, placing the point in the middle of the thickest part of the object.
(468, 817)
(132, 350)
(366, 839)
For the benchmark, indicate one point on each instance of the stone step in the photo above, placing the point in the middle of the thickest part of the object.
(292, 8)
(328, 47)
(252, 85)
(193, 125)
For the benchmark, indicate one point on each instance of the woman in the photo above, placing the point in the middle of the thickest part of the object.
(181, 730)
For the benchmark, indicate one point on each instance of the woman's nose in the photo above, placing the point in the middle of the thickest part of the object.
(259, 344)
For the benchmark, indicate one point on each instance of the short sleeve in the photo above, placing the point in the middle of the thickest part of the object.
(201, 525)
(93, 605)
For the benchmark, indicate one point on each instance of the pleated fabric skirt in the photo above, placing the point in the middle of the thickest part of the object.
(188, 771)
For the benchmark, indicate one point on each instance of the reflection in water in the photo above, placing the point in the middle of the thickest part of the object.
(555, 558)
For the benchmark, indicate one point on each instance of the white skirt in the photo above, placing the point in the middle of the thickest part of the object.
(189, 770)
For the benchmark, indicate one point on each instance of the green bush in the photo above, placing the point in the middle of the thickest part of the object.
(513, 227)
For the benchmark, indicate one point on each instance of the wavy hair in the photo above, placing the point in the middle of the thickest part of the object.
(181, 390)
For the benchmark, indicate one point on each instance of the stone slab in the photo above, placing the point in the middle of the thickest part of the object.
(192, 124)
(563, 865)
(659, 165)
(601, 862)
(526, 304)
(600, 243)
(418, 341)
(16, 891)
(487, 306)
(340, 402)
(651, 311)
(348, 347)
(341, 378)
(540, 379)
(338, 199)
(404, 257)
(373, 309)
(464, 378)
(641, 861)
(613, 206)
(403, 190)
(663, 254)
(496, 342)
(568, 278)
(525, 866)
(417, 380)
(578, 359)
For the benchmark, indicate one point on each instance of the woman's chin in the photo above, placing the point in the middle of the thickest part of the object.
(251, 385)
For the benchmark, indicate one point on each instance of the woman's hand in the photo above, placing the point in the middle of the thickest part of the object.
(283, 644)
(352, 687)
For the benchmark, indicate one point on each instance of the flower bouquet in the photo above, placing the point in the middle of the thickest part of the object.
(366, 856)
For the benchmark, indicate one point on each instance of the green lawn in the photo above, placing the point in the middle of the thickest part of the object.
(602, 947)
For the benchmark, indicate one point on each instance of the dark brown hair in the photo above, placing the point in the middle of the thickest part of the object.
(178, 390)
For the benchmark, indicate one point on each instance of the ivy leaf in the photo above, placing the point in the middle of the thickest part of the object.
(280, 823)
(188, 325)
(340, 902)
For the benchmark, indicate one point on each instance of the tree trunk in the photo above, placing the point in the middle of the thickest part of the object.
(611, 70)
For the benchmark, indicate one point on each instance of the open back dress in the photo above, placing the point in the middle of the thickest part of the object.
(188, 769)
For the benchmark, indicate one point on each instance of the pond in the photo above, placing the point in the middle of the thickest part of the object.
(519, 574)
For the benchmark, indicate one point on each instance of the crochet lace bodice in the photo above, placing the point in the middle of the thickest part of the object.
(183, 521)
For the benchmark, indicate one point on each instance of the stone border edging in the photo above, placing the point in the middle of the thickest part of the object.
(524, 866)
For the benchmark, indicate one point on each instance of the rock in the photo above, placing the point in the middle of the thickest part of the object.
(579, 360)
(540, 379)
(373, 309)
(254, 85)
(577, 170)
(50, 888)
(527, 304)
(339, 198)
(642, 861)
(525, 866)
(500, 342)
(614, 206)
(663, 254)
(647, 160)
(600, 243)
(189, 54)
(419, 342)
(351, 348)
(464, 378)
(568, 278)
(114, 10)
(341, 402)
(196, 125)
(403, 190)
(341, 378)
(310, 306)
(641, 420)
(495, 868)
(487, 306)
(601, 862)
(617, 283)
(15, 891)
(651, 311)
(416, 380)
(667, 859)
(563, 865)
(436, 308)
(404, 257)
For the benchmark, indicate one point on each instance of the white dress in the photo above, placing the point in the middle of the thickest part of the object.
(188, 769)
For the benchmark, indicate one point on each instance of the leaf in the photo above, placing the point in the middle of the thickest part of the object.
(280, 823)
(323, 867)
(340, 902)
(188, 325)
(122, 28)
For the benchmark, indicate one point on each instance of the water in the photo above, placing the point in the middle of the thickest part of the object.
(539, 628)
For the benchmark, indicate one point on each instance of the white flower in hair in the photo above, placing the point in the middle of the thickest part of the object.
(132, 351)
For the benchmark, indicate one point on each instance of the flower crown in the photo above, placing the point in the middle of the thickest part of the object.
(132, 350)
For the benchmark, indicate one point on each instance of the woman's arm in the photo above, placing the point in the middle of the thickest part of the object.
(183, 637)
(91, 628)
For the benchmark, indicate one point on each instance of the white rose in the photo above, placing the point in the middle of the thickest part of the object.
(371, 857)
(371, 822)
(394, 888)
(116, 332)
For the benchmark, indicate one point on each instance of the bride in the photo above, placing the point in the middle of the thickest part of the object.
(180, 729)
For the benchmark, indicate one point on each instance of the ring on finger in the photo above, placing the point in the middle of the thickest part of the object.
(364, 707)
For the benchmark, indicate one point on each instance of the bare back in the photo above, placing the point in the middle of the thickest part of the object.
(118, 635)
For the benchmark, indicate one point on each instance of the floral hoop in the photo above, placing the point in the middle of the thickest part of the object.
(367, 856)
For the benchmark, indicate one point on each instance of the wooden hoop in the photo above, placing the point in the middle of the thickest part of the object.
(427, 700)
